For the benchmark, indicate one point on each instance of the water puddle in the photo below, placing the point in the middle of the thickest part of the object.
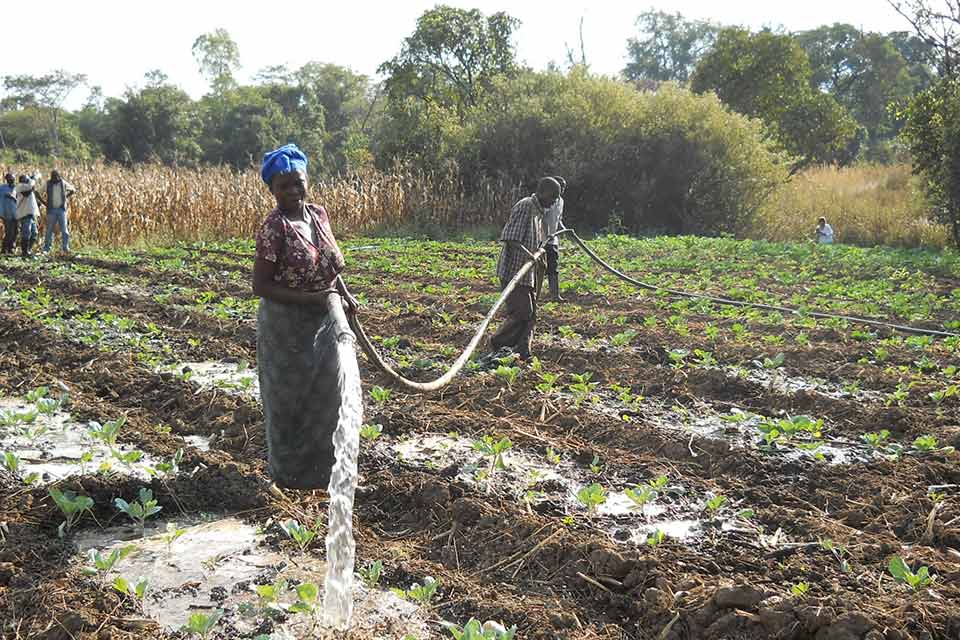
(520, 472)
(217, 564)
(49, 446)
(232, 377)
(789, 385)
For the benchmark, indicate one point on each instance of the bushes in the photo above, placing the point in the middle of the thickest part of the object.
(670, 160)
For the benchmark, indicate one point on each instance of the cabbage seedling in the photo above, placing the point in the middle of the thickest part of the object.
(102, 564)
(72, 506)
(307, 595)
(107, 432)
(592, 496)
(137, 590)
(877, 440)
(495, 450)
(714, 503)
(48, 406)
(623, 338)
(11, 462)
(141, 509)
(172, 534)
(507, 374)
(473, 630)
(269, 594)
(641, 494)
(656, 538)
(371, 431)
(800, 589)
(202, 623)
(371, 573)
(552, 456)
(581, 387)
(420, 593)
(37, 394)
(299, 533)
(380, 395)
(903, 573)
(549, 384)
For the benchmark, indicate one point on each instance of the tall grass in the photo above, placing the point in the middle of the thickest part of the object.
(865, 204)
(116, 206)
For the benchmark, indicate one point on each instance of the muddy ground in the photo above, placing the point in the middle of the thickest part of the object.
(798, 549)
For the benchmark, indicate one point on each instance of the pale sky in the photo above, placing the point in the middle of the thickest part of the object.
(116, 42)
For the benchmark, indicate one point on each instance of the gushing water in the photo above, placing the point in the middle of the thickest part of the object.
(338, 588)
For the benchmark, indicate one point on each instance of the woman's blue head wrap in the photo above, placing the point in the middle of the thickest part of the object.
(286, 159)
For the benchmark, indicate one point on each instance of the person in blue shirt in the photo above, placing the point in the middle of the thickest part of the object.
(8, 211)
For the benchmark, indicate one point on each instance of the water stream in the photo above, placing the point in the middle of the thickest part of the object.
(338, 588)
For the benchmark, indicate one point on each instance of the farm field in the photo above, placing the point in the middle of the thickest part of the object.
(666, 468)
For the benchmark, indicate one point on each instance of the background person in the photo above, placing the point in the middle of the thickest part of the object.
(824, 232)
(296, 268)
(58, 192)
(553, 221)
(8, 211)
(523, 235)
(27, 212)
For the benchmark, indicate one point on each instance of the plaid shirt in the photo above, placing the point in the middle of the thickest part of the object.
(526, 227)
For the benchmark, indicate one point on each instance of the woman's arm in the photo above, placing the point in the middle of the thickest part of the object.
(265, 286)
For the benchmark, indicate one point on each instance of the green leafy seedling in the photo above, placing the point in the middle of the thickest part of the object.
(473, 630)
(715, 503)
(270, 594)
(507, 374)
(72, 506)
(900, 570)
(107, 432)
(141, 509)
(371, 573)
(656, 538)
(552, 456)
(103, 563)
(424, 593)
(595, 466)
(37, 394)
(592, 496)
(300, 534)
(493, 449)
(137, 590)
(800, 589)
(877, 440)
(641, 494)
(172, 534)
(371, 431)
(380, 395)
(202, 624)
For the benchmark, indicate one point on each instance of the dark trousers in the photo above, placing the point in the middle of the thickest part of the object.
(28, 234)
(517, 330)
(553, 259)
(10, 230)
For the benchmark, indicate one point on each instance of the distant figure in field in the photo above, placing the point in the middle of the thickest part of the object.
(8, 210)
(824, 232)
(27, 212)
(58, 191)
(553, 220)
(521, 237)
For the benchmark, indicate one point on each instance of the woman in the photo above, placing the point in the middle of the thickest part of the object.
(296, 275)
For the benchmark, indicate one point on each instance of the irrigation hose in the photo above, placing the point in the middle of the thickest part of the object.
(446, 378)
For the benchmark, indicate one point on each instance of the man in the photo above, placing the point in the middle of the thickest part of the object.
(521, 237)
(553, 221)
(58, 190)
(27, 212)
(824, 232)
(8, 211)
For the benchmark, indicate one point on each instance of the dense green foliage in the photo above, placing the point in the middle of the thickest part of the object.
(932, 131)
(767, 76)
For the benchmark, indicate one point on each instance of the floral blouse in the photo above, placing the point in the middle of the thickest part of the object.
(301, 264)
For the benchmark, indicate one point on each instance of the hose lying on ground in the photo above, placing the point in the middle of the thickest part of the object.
(443, 380)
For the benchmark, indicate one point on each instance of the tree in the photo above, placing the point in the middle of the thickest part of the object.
(668, 46)
(218, 57)
(932, 132)
(768, 76)
(156, 123)
(452, 58)
(47, 92)
(937, 22)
